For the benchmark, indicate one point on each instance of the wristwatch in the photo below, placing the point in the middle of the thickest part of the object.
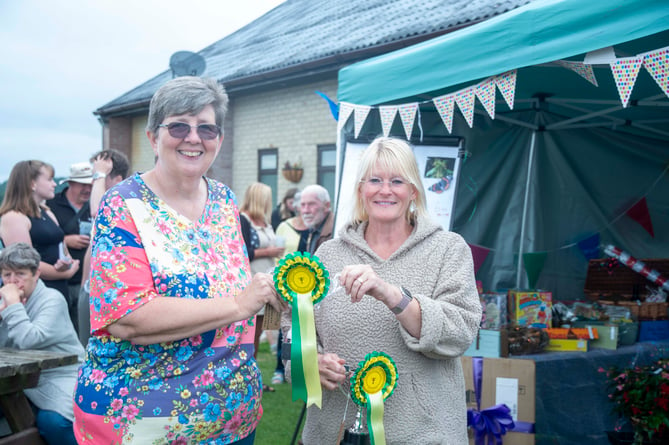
(99, 175)
(404, 302)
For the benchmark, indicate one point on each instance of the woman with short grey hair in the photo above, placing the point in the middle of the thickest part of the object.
(19, 256)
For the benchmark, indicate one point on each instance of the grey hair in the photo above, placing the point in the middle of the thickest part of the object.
(19, 256)
(187, 95)
(320, 191)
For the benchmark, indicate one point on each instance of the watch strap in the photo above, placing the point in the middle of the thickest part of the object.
(404, 302)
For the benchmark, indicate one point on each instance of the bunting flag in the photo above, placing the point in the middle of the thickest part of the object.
(387, 113)
(580, 68)
(625, 72)
(590, 247)
(534, 264)
(506, 83)
(408, 116)
(479, 254)
(465, 101)
(334, 108)
(639, 213)
(657, 64)
(360, 116)
(444, 105)
(345, 110)
(485, 91)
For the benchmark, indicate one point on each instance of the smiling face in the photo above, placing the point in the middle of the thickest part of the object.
(190, 156)
(386, 196)
(44, 186)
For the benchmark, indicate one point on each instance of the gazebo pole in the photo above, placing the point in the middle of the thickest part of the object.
(521, 245)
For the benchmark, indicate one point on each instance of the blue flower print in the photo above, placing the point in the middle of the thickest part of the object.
(190, 235)
(233, 401)
(209, 352)
(97, 304)
(109, 296)
(155, 383)
(103, 244)
(183, 419)
(157, 411)
(177, 255)
(131, 357)
(204, 398)
(211, 412)
(184, 353)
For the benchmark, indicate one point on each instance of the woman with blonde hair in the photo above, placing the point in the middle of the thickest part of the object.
(260, 241)
(25, 218)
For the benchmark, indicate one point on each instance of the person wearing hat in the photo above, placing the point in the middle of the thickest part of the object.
(72, 211)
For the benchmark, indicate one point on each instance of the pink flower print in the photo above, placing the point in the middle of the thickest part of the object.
(235, 362)
(207, 378)
(116, 420)
(235, 262)
(116, 201)
(98, 375)
(234, 423)
(163, 227)
(212, 258)
(196, 340)
(106, 211)
(94, 405)
(123, 392)
(180, 441)
(116, 404)
(130, 411)
(193, 402)
(229, 277)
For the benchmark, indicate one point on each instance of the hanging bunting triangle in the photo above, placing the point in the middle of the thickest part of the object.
(387, 113)
(479, 254)
(590, 246)
(625, 71)
(408, 116)
(506, 83)
(465, 101)
(360, 116)
(534, 264)
(657, 64)
(444, 105)
(580, 68)
(485, 91)
(345, 110)
(639, 213)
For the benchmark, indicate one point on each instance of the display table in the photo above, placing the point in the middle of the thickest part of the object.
(572, 406)
(20, 369)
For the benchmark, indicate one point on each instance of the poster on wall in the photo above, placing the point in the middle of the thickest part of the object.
(438, 165)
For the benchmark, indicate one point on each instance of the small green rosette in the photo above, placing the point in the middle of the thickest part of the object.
(372, 383)
(302, 281)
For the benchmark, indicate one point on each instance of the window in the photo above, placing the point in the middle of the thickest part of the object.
(327, 161)
(268, 160)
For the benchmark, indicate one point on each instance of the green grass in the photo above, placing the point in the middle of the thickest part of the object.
(280, 412)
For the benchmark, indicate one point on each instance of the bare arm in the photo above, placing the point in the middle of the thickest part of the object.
(99, 186)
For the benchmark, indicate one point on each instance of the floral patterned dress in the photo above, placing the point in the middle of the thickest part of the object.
(199, 390)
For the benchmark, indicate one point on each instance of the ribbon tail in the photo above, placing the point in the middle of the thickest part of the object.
(297, 368)
(375, 418)
(309, 351)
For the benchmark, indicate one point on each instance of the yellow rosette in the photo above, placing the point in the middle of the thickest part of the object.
(302, 281)
(372, 383)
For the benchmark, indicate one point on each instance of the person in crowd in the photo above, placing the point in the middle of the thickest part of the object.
(29, 315)
(285, 209)
(70, 206)
(256, 208)
(407, 288)
(170, 357)
(24, 217)
(291, 230)
(109, 168)
(317, 217)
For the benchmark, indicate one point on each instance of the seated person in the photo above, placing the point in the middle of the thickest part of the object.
(29, 312)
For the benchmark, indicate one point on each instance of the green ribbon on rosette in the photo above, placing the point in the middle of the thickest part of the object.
(302, 281)
(374, 381)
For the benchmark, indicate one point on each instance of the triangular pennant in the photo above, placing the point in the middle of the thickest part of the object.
(534, 264)
(580, 68)
(590, 247)
(485, 91)
(345, 110)
(639, 213)
(657, 64)
(506, 83)
(624, 73)
(444, 105)
(408, 115)
(360, 116)
(479, 254)
(465, 101)
(387, 113)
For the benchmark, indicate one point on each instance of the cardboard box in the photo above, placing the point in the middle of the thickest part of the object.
(567, 345)
(653, 330)
(509, 381)
(530, 308)
(608, 337)
(489, 343)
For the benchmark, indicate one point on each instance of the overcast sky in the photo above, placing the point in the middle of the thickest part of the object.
(61, 60)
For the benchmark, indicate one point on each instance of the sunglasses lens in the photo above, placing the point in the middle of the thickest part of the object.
(178, 130)
(208, 131)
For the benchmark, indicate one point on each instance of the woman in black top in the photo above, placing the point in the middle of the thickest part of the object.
(25, 218)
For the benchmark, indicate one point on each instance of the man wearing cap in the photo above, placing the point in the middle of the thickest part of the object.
(73, 214)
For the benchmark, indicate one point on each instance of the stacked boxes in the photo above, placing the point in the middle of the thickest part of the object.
(530, 308)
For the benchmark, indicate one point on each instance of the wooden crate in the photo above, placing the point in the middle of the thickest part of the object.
(625, 287)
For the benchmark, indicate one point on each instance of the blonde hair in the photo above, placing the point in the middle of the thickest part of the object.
(19, 193)
(257, 202)
(393, 155)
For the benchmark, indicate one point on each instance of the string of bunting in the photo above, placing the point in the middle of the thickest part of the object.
(624, 70)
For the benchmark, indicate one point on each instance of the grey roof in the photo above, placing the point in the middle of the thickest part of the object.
(302, 35)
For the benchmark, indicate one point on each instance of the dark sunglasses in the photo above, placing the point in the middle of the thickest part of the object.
(180, 130)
